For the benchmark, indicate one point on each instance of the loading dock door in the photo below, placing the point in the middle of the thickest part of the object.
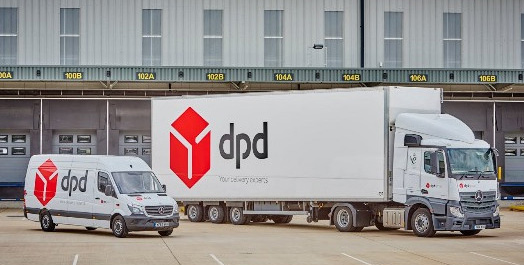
(14, 155)
(135, 143)
(74, 142)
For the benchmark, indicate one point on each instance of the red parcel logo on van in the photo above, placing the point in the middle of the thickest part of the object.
(190, 141)
(46, 182)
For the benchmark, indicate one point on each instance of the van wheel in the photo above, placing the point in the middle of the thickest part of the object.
(422, 223)
(195, 213)
(90, 228)
(282, 219)
(46, 222)
(237, 217)
(216, 214)
(165, 232)
(344, 220)
(119, 227)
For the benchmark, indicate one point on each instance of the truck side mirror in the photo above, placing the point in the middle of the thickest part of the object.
(108, 191)
(164, 187)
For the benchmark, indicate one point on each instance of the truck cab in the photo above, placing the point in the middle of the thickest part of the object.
(444, 176)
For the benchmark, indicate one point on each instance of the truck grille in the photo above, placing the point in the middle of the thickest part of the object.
(470, 204)
(162, 210)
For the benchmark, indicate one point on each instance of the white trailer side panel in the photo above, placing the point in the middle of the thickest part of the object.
(322, 145)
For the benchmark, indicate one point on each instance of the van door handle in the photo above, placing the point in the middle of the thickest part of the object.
(424, 191)
(97, 198)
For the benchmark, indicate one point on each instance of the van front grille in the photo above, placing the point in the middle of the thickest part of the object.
(162, 210)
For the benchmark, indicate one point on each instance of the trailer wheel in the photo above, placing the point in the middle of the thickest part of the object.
(216, 214)
(422, 223)
(344, 220)
(237, 217)
(46, 222)
(195, 213)
(119, 227)
(470, 232)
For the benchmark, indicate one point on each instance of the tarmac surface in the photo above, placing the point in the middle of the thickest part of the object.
(22, 242)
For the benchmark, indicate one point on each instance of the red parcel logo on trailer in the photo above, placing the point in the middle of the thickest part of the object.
(46, 182)
(190, 141)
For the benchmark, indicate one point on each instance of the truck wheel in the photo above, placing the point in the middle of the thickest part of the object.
(422, 223)
(119, 227)
(165, 232)
(195, 213)
(237, 217)
(470, 232)
(344, 220)
(216, 214)
(46, 222)
(288, 219)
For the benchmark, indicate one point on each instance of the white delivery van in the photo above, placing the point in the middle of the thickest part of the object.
(116, 192)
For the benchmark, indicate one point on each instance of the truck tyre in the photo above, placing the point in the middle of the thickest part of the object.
(90, 228)
(195, 213)
(119, 227)
(216, 214)
(344, 220)
(288, 219)
(422, 223)
(237, 217)
(165, 232)
(258, 218)
(46, 222)
(470, 232)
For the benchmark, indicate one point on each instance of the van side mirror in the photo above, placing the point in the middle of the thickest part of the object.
(164, 187)
(108, 191)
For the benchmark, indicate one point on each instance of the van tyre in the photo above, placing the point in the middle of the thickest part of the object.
(90, 228)
(165, 232)
(422, 223)
(216, 214)
(282, 219)
(470, 232)
(344, 220)
(46, 222)
(119, 227)
(195, 213)
(237, 217)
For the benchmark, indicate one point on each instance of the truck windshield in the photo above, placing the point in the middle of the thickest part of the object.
(137, 182)
(466, 161)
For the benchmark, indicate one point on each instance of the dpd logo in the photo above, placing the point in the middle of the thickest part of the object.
(190, 141)
(71, 183)
(45, 182)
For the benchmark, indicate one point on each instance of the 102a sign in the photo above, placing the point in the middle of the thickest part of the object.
(145, 76)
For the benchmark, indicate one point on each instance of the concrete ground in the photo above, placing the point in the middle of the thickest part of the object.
(22, 242)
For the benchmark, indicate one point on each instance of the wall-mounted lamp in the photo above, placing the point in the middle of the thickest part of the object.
(180, 74)
(38, 73)
(108, 73)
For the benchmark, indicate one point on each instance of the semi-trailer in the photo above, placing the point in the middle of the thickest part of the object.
(382, 156)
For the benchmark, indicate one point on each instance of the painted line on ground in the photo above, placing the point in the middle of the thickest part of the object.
(216, 259)
(359, 260)
(501, 260)
(76, 259)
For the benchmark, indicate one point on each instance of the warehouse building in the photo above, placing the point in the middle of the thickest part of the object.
(76, 76)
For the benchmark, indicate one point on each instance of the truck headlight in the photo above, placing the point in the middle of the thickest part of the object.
(456, 211)
(497, 211)
(136, 209)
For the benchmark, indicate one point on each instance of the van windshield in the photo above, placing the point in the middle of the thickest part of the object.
(130, 182)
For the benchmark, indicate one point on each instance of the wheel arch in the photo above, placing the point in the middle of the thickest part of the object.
(413, 205)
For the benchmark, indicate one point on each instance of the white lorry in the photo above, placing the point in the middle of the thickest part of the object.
(356, 157)
(120, 193)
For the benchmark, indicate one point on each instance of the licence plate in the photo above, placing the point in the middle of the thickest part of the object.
(161, 224)
(480, 227)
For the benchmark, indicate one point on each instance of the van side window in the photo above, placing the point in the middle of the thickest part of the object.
(427, 162)
(103, 181)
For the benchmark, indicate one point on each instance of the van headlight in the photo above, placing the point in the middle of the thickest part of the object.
(136, 209)
(456, 211)
(497, 211)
